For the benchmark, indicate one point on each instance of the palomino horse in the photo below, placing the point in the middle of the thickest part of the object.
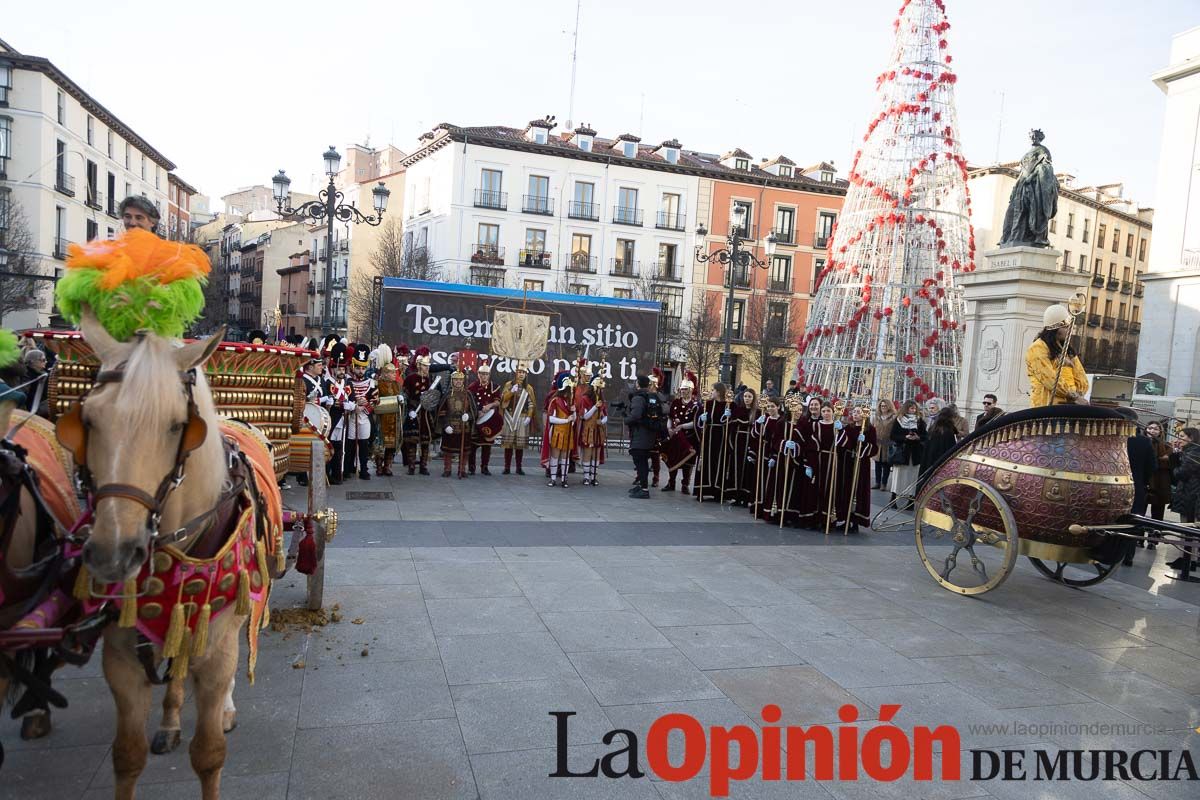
(148, 423)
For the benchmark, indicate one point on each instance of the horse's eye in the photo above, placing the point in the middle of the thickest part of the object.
(176, 427)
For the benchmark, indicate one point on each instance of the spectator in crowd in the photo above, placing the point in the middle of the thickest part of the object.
(1160, 482)
(644, 432)
(943, 436)
(1142, 463)
(909, 434)
(1185, 494)
(38, 393)
(769, 389)
(990, 411)
(885, 417)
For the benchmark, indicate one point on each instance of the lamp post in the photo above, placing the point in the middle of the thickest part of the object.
(327, 207)
(737, 258)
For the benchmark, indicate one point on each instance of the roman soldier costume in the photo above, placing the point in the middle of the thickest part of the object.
(419, 420)
(679, 451)
(858, 446)
(491, 418)
(519, 405)
(354, 428)
(558, 436)
(456, 420)
(593, 430)
(388, 415)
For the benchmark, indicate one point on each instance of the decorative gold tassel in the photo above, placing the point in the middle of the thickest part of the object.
(83, 584)
(128, 616)
(179, 665)
(200, 640)
(280, 560)
(175, 632)
(260, 550)
(242, 608)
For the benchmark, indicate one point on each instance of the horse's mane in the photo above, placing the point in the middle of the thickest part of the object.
(147, 392)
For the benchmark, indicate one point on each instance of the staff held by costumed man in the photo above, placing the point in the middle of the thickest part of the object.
(519, 404)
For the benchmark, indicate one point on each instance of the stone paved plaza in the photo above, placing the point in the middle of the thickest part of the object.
(484, 604)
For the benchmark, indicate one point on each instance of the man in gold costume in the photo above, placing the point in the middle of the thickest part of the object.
(1055, 377)
(519, 404)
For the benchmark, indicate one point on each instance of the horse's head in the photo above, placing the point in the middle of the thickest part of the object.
(149, 411)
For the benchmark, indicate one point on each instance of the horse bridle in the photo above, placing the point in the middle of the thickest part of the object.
(72, 432)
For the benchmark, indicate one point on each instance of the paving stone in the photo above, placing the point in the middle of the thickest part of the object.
(584, 595)
(794, 625)
(578, 631)
(525, 555)
(361, 693)
(471, 616)
(747, 591)
(854, 603)
(857, 663)
(52, 772)
(466, 579)
(1001, 682)
(90, 718)
(1160, 663)
(373, 565)
(918, 638)
(493, 658)
(729, 646)
(264, 786)
(530, 574)
(683, 608)
(456, 555)
(624, 677)
(1045, 653)
(1143, 698)
(501, 717)
(404, 603)
(524, 776)
(803, 694)
(603, 554)
(422, 760)
(633, 579)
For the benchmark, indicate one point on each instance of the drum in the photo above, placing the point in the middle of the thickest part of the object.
(317, 418)
(489, 424)
(392, 404)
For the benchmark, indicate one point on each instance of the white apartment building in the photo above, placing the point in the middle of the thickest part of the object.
(529, 208)
(68, 162)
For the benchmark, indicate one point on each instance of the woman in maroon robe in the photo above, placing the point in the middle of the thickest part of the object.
(744, 443)
(800, 450)
(712, 426)
(827, 434)
(858, 446)
(769, 466)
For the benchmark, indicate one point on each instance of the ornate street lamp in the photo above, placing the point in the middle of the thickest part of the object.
(327, 207)
(739, 261)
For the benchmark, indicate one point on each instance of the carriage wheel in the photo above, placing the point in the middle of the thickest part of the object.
(316, 508)
(992, 553)
(1089, 574)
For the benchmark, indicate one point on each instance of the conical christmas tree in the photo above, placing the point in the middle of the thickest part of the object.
(886, 320)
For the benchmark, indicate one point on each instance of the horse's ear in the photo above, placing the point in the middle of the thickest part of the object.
(105, 346)
(197, 352)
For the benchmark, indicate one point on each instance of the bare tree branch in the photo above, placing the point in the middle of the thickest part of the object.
(216, 305)
(394, 256)
(18, 254)
(770, 338)
(698, 339)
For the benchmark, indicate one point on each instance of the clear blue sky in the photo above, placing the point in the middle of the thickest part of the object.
(229, 90)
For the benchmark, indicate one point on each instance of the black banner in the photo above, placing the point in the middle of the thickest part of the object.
(443, 316)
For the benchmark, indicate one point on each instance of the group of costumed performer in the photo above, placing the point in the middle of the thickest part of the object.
(575, 431)
(787, 464)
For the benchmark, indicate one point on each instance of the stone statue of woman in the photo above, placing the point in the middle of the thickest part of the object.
(1034, 199)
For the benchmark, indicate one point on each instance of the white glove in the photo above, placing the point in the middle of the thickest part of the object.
(761, 419)
(525, 421)
(750, 457)
(412, 415)
(326, 401)
(790, 446)
(571, 418)
(604, 420)
(771, 463)
(837, 426)
(348, 405)
(862, 437)
(727, 413)
(704, 418)
(466, 417)
(449, 429)
(808, 473)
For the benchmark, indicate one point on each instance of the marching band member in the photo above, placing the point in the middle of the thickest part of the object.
(311, 380)
(745, 436)
(519, 404)
(593, 422)
(456, 421)
(418, 421)
(491, 418)
(679, 451)
(388, 425)
(858, 447)
(800, 449)
(828, 436)
(713, 424)
(769, 467)
(335, 395)
(354, 427)
(558, 436)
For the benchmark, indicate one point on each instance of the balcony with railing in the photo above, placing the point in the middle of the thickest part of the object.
(671, 222)
(1122, 325)
(487, 254)
(537, 204)
(784, 235)
(581, 210)
(343, 246)
(1113, 284)
(821, 240)
(620, 268)
(582, 263)
(741, 277)
(623, 215)
(665, 272)
(1097, 279)
(333, 321)
(1108, 323)
(489, 199)
(338, 283)
(312, 289)
(1191, 259)
(668, 324)
(1139, 289)
(535, 258)
(1126, 287)
(783, 285)
(60, 247)
(95, 198)
(1093, 320)
(1135, 327)
(64, 183)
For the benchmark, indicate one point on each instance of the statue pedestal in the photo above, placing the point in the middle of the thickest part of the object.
(1005, 300)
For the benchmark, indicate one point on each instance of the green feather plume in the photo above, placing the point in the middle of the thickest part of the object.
(10, 351)
(140, 304)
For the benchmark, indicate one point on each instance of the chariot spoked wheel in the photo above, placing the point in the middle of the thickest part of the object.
(1074, 575)
(962, 554)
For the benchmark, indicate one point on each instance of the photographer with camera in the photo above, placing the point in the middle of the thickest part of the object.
(647, 421)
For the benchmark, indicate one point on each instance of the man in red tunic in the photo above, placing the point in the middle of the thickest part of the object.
(682, 444)
(490, 421)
